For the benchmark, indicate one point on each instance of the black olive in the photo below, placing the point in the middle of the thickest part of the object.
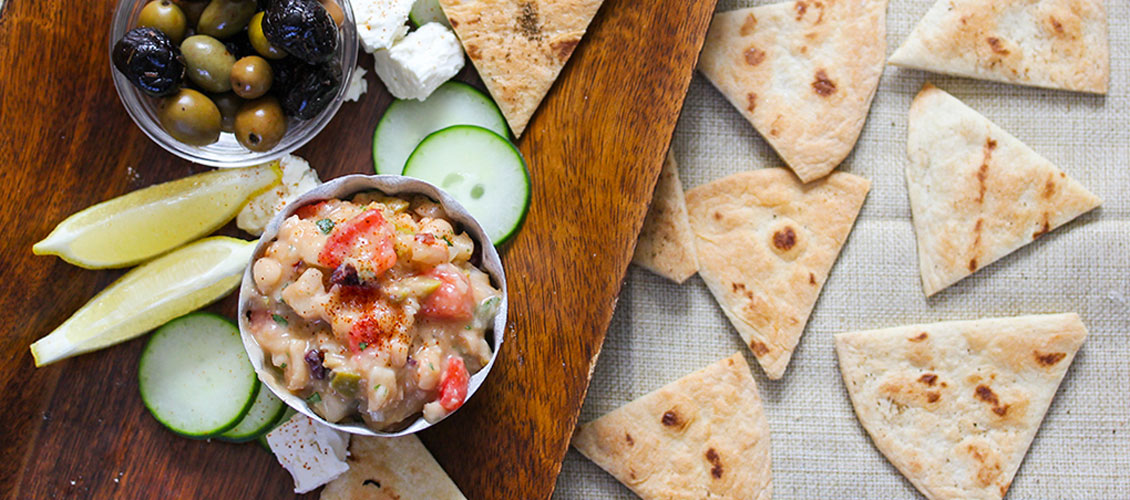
(304, 90)
(239, 45)
(302, 28)
(150, 61)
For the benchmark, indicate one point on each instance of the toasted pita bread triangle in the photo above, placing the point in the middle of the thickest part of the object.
(954, 406)
(803, 73)
(519, 46)
(666, 243)
(765, 246)
(702, 436)
(976, 192)
(1060, 44)
(391, 469)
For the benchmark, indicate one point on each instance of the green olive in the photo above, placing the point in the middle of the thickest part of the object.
(229, 104)
(224, 18)
(209, 63)
(259, 40)
(190, 117)
(260, 124)
(164, 16)
(251, 77)
(192, 9)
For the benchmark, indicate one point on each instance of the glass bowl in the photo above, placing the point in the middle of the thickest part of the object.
(227, 152)
(392, 185)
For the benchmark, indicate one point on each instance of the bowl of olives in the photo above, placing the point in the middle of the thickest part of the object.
(232, 83)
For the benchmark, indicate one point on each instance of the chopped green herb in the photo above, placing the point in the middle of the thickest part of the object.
(283, 366)
(467, 326)
(316, 398)
(363, 345)
(448, 240)
(433, 367)
(280, 320)
(325, 225)
(377, 387)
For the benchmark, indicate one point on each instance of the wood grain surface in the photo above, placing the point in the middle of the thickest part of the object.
(77, 428)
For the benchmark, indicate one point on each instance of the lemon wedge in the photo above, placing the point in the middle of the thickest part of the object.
(149, 296)
(137, 226)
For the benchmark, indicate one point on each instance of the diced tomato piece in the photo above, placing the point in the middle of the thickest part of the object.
(367, 241)
(366, 332)
(453, 299)
(309, 211)
(453, 384)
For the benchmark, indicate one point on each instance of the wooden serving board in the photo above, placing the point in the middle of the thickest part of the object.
(77, 429)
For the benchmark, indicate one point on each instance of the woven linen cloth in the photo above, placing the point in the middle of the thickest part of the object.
(662, 331)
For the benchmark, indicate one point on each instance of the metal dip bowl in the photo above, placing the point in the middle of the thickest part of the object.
(343, 188)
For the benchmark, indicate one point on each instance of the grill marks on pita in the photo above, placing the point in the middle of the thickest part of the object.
(976, 192)
(955, 405)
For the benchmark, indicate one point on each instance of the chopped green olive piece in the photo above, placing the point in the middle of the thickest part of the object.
(326, 225)
(345, 383)
(280, 320)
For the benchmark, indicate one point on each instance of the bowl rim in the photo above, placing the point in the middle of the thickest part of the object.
(138, 109)
(392, 185)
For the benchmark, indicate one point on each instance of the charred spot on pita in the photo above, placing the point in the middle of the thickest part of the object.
(758, 347)
(715, 463)
(928, 378)
(1056, 25)
(784, 239)
(754, 56)
(1050, 358)
(933, 396)
(751, 98)
(822, 85)
(628, 438)
(749, 25)
(801, 8)
(371, 482)
(671, 419)
(997, 45)
(564, 48)
(919, 338)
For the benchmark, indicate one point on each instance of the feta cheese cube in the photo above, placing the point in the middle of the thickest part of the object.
(297, 178)
(380, 23)
(420, 62)
(357, 85)
(313, 453)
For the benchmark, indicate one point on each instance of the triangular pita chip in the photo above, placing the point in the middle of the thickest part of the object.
(954, 406)
(702, 436)
(1060, 44)
(519, 46)
(666, 244)
(803, 73)
(976, 192)
(391, 469)
(765, 245)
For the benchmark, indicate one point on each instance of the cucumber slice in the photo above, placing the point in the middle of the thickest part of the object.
(427, 11)
(195, 377)
(264, 414)
(480, 169)
(407, 122)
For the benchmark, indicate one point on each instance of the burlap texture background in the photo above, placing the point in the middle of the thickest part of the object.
(662, 331)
